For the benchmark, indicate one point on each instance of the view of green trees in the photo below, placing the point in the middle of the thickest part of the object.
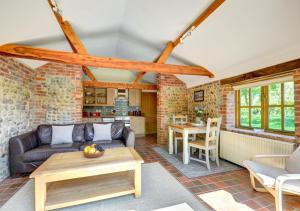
(278, 107)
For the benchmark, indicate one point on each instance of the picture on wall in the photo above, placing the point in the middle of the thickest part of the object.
(199, 96)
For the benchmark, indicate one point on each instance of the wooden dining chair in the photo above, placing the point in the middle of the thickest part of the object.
(180, 120)
(211, 142)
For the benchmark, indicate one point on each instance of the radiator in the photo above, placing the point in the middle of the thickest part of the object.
(236, 147)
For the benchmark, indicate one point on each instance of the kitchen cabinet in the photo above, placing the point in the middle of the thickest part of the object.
(111, 93)
(137, 124)
(134, 97)
(99, 96)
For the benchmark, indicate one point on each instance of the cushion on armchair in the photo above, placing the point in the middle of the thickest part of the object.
(267, 174)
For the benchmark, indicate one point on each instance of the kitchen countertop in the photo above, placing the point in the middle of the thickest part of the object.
(109, 116)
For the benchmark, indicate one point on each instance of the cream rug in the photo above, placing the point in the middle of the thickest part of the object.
(194, 168)
(159, 190)
(223, 201)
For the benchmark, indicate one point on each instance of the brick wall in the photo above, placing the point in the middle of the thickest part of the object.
(219, 100)
(211, 103)
(16, 81)
(171, 99)
(297, 104)
(49, 94)
(227, 107)
(57, 94)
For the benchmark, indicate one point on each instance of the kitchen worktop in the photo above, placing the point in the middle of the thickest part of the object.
(109, 116)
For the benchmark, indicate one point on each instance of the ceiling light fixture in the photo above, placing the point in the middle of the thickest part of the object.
(55, 7)
(187, 34)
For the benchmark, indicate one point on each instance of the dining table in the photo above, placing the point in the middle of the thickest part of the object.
(185, 130)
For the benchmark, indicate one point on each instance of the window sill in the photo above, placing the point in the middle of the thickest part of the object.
(264, 134)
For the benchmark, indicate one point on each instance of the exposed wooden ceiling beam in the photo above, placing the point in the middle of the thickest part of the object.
(272, 70)
(139, 76)
(166, 53)
(119, 85)
(22, 51)
(74, 41)
(200, 19)
(161, 59)
(171, 45)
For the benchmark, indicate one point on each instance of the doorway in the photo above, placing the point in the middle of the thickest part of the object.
(149, 111)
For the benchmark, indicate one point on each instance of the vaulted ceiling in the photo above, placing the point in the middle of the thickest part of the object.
(238, 37)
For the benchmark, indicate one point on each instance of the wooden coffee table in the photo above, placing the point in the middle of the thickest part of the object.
(68, 179)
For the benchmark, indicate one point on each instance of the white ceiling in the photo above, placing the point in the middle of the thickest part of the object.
(238, 37)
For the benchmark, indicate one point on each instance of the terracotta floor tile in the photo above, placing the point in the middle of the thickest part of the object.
(252, 204)
(235, 182)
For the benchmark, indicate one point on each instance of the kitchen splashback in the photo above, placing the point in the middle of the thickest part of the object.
(121, 107)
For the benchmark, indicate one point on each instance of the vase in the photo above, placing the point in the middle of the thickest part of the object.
(199, 121)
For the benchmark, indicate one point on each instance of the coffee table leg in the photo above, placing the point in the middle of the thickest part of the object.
(40, 194)
(137, 181)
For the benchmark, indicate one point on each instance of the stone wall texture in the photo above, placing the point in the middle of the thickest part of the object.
(212, 101)
(171, 99)
(50, 94)
(16, 82)
(57, 94)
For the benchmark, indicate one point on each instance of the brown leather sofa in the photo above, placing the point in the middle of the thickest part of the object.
(29, 150)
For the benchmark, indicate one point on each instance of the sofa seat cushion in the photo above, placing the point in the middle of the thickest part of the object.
(112, 144)
(266, 174)
(43, 152)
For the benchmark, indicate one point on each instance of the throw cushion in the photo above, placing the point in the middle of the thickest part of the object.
(62, 134)
(44, 134)
(102, 132)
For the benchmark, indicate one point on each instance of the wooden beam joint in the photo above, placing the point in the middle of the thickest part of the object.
(27, 52)
(119, 85)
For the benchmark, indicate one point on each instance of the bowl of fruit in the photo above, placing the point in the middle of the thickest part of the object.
(93, 151)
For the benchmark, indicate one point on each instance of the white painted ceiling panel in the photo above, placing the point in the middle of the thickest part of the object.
(238, 37)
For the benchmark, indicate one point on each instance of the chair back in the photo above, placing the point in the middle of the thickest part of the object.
(292, 163)
(180, 119)
(213, 127)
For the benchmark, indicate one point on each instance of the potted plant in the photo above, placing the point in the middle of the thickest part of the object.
(199, 112)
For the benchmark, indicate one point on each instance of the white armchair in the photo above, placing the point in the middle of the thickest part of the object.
(276, 180)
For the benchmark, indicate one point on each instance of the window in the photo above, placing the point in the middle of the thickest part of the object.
(269, 107)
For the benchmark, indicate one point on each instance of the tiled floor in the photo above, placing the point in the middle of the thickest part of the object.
(235, 182)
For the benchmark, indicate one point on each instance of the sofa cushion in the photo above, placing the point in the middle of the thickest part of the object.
(89, 132)
(44, 134)
(43, 152)
(112, 144)
(62, 134)
(102, 133)
(78, 133)
(117, 128)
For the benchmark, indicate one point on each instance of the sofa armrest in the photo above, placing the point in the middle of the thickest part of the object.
(270, 156)
(128, 137)
(23, 143)
(18, 145)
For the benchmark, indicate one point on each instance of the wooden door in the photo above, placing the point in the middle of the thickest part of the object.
(149, 111)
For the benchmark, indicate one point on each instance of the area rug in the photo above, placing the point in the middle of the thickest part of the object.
(223, 201)
(194, 168)
(159, 189)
